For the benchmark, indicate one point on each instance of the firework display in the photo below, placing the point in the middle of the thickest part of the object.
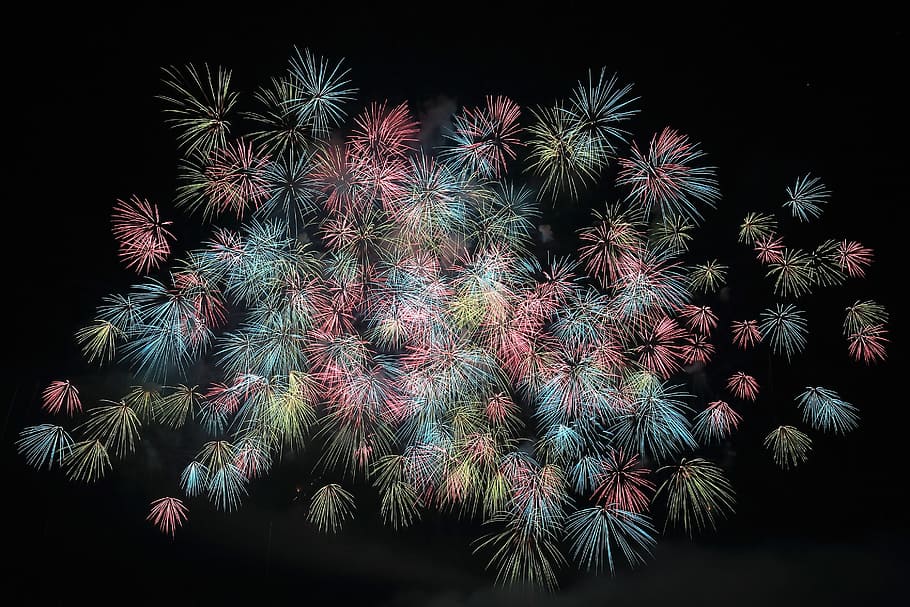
(381, 307)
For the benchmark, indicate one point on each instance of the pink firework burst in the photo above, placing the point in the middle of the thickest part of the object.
(665, 180)
(717, 421)
(662, 351)
(868, 343)
(769, 249)
(700, 319)
(604, 245)
(223, 397)
(743, 386)
(381, 132)
(61, 395)
(140, 233)
(853, 258)
(697, 348)
(624, 483)
(485, 138)
(167, 514)
(206, 297)
(745, 333)
(236, 179)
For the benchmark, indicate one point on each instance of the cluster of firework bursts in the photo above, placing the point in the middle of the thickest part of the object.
(381, 305)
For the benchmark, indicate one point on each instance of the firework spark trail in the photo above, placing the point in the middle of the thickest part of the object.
(380, 306)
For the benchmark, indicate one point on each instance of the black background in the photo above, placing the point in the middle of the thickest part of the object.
(769, 96)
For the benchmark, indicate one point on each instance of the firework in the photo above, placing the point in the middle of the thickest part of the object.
(624, 483)
(745, 333)
(769, 249)
(862, 314)
(320, 90)
(115, 425)
(87, 462)
(44, 443)
(605, 244)
(176, 407)
(743, 386)
(824, 410)
(59, 395)
(560, 152)
(697, 493)
(853, 258)
(868, 344)
(330, 506)
(199, 107)
(99, 341)
(806, 197)
(699, 318)
(167, 514)
(141, 234)
(792, 272)
(597, 532)
(657, 425)
(664, 180)
(708, 277)
(280, 127)
(673, 233)
(784, 327)
(235, 180)
(826, 270)
(757, 226)
(224, 481)
(597, 109)
(386, 308)
(483, 140)
(789, 445)
(716, 422)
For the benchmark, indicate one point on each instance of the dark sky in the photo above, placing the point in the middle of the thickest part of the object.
(768, 96)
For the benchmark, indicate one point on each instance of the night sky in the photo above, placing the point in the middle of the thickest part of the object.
(769, 98)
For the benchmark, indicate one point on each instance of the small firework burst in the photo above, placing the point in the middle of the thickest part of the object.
(824, 410)
(789, 446)
(330, 506)
(716, 422)
(806, 198)
(697, 493)
(61, 395)
(167, 514)
(141, 234)
(665, 180)
(743, 386)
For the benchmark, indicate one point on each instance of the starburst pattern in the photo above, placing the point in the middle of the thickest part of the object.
(743, 386)
(61, 395)
(784, 328)
(716, 422)
(666, 180)
(167, 514)
(382, 301)
(44, 444)
(697, 493)
(806, 197)
(824, 410)
(330, 506)
(789, 446)
(141, 234)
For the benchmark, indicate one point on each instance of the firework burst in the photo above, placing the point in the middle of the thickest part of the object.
(393, 313)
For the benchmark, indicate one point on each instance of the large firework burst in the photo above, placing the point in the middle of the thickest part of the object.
(381, 305)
